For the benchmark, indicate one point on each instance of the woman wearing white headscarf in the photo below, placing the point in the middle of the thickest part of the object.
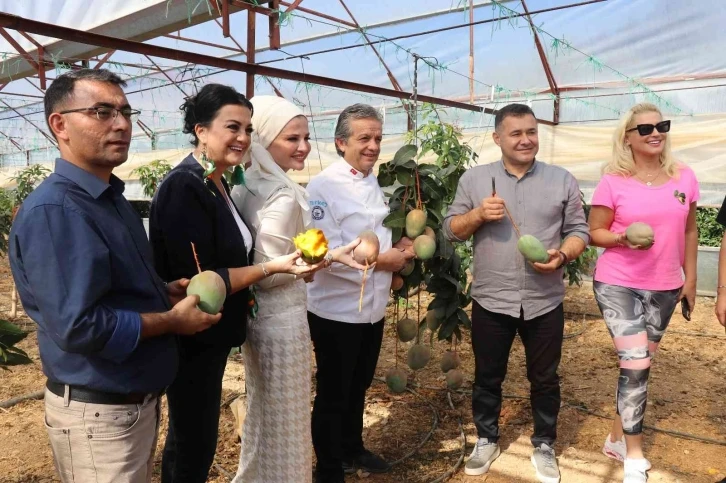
(276, 440)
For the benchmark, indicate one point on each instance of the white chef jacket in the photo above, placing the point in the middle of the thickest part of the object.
(344, 203)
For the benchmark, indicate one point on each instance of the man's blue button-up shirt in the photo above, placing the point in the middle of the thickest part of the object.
(84, 272)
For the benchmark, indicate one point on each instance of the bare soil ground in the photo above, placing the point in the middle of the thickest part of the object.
(687, 394)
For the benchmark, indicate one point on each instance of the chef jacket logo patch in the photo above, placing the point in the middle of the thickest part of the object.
(318, 213)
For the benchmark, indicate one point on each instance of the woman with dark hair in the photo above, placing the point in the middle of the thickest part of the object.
(194, 225)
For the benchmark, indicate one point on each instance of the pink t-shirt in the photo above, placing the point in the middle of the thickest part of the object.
(665, 208)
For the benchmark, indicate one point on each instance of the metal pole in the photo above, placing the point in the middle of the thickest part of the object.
(471, 51)
(546, 65)
(250, 83)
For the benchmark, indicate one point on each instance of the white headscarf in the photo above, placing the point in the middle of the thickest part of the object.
(271, 115)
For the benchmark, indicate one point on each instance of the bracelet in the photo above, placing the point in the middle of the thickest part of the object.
(264, 270)
(328, 260)
(564, 258)
(720, 286)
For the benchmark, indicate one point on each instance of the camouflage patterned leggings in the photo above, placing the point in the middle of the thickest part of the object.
(637, 320)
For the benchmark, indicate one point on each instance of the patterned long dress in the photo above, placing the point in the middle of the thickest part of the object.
(276, 435)
(276, 441)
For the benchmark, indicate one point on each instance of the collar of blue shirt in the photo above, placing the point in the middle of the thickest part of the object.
(90, 183)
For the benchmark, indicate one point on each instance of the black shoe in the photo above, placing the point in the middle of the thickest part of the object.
(348, 466)
(369, 462)
(329, 479)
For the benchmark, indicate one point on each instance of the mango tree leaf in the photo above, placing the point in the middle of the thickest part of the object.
(453, 281)
(11, 334)
(441, 286)
(16, 357)
(448, 326)
(435, 215)
(404, 153)
(438, 302)
(400, 191)
(415, 278)
(445, 172)
(10, 328)
(385, 178)
(410, 164)
(396, 234)
(464, 318)
(430, 187)
(457, 332)
(397, 219)
(427, 169)
(452, 307)
(405, 177)
(444, 246)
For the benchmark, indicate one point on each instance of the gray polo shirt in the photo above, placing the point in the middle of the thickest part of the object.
(545, 203)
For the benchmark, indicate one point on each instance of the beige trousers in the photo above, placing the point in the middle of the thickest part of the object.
(102, 443)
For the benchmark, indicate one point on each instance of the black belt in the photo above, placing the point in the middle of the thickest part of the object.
(83, 394)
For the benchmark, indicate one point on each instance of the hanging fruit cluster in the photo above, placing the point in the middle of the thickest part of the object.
(421, 196)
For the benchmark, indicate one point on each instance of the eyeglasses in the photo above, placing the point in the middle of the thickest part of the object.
(645, 129)
(107, 113)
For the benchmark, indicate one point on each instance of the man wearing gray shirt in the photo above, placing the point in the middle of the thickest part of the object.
(511, 295)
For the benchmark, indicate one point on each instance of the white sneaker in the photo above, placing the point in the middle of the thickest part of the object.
(482, 456)
(545, 463)
(617, 450)
(634, 470)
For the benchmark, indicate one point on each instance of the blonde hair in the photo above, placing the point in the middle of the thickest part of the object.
(622, 162)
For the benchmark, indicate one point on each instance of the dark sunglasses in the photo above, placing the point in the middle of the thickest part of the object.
(645, 129)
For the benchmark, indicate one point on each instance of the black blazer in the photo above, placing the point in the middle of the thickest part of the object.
(188, 208)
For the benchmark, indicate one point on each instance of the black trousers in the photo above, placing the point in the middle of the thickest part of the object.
(492, 335)
(194, 399)
(346, 356)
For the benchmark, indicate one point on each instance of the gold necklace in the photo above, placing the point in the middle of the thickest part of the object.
(649, 183)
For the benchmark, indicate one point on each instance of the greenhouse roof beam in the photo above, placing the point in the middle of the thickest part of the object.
(42, 131)
(18, 23)
(391, 77)
(546, 65)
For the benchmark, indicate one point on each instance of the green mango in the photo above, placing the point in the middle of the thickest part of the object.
(532, 249)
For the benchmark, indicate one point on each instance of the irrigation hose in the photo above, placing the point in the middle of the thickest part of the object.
(462, 435)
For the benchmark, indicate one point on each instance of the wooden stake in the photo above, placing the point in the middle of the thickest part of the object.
(509, 215)
(418, 189)
(396, 319)
(14, 303)
(194, 250)
(362, 288)
(516, 228)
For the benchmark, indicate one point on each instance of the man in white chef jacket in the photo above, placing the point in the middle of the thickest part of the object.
(345, 200)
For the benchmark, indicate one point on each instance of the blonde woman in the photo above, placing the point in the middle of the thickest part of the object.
(638, 287)
(276, 440)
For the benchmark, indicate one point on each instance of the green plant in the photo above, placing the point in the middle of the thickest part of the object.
(710, 231)
(10, 334)
(432, 186)
(27, 180)
(582, 265)
(11, 199)
(151, 175)
(6, 218)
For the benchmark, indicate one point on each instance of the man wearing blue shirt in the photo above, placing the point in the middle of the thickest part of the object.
(84, 271)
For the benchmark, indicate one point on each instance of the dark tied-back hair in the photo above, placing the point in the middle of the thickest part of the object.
(203, 107)
(62, 87)
(514, 110)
